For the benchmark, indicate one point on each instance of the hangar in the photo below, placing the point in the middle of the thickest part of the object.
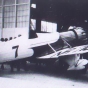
(46, 16)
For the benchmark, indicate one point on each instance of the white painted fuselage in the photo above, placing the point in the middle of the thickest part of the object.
(22, 47)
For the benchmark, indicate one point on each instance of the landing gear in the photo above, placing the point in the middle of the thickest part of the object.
(24, 64)
(15, 64)
(12, 66)
(2, 66)
(18, 66)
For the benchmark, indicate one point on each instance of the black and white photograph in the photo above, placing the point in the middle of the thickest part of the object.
(43, 43)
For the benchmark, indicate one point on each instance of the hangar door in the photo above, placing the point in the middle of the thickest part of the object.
(14, 17)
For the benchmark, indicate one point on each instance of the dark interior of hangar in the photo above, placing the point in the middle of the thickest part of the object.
(60, 14)
(64, 12)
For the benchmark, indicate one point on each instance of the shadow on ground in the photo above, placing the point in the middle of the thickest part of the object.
(49, 71)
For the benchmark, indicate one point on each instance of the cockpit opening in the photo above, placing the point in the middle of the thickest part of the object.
(33, 34)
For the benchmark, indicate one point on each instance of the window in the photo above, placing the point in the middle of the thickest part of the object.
(22, 1)
(0, 17)
(0, 2)
(48, 26)
(33, 5)
(15, 13)
(9, 16)
(33, 24)
(22, 15)
(9, 2)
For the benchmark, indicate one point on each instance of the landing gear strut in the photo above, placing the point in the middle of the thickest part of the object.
(2, 66)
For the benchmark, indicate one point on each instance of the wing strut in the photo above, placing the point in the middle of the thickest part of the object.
(52, 48)
(66, 42)
(55, 50)
(57, 54)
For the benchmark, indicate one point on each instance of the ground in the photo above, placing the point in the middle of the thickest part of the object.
(41, 78)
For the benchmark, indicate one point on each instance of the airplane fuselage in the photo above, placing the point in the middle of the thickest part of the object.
(22, 48)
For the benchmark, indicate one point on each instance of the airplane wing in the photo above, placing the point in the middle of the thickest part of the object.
(75, 50)
(68, 51)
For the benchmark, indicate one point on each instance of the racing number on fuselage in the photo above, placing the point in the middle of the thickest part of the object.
(16, 52)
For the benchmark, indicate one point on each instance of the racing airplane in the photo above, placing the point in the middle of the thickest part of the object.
(15, 50)
(44, 47)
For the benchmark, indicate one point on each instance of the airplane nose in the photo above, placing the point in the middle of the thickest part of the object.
(75, 36)
(82, 35)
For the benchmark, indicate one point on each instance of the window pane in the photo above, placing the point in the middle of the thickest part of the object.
(0, 12)
(9, 2)
(33, 5)
(0, 9)
(0, 25)
(48, 26)
(9, 24)
(43, 26)
(26, 24)
(9, 16)
(33, 24)
(9, 8)
(54, 27)
(0, 17)
(22, 1)
(0, 2)
(22, 15)
(23, 7)
(0, 20)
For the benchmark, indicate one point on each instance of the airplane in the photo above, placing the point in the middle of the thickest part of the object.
(42, 47)
(15, 50)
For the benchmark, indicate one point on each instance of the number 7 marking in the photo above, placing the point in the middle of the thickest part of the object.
(16, 52)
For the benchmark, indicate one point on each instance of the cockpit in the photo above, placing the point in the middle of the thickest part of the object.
(33, 34)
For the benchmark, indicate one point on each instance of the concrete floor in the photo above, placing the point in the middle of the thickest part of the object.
(41, 78)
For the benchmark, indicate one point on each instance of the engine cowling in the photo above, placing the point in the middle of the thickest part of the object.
(75, 36)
